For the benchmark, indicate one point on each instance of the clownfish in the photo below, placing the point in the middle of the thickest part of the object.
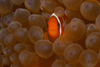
(54, 27)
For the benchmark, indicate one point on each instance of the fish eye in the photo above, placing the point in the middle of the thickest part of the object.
(47, 25)
(58, 24)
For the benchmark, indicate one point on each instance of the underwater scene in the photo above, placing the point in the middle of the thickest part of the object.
(49, 33)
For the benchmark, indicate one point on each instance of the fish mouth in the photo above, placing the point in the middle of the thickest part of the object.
(52, 30)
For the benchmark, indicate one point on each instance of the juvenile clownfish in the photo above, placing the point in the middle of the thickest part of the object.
(54, 28)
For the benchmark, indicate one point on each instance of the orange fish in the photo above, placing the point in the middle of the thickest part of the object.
(54, 28)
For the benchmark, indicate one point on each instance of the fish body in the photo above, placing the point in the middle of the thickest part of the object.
(54, 27)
